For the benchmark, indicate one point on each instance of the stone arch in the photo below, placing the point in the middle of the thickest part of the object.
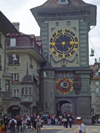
(67, 102)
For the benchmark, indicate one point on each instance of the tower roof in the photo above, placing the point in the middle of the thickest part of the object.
(47, 66)
(53, 6)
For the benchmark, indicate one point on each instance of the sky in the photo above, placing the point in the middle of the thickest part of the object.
(19, 11)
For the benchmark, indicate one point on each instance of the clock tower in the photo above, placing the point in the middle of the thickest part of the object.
(65, 78)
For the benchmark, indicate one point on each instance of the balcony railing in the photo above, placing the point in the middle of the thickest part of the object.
(26, 99)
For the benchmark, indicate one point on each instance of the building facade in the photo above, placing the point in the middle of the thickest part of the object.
(65, 78)
(24, 57)
(95, 90)
(5, 91)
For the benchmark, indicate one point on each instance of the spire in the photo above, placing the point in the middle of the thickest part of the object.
(27, 78)
(27, 69)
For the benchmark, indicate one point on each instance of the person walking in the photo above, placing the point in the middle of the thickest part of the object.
(70, 120)
(38, 124)
(12, 124)
(3, 127)
(19, 123)
(34, 122)
(81, 128)
(24, 123)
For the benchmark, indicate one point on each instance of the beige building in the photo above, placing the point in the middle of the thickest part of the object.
(95, 90)
(5, 93)
(24, 57)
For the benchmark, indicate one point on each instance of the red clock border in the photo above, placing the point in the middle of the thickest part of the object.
(59, 89)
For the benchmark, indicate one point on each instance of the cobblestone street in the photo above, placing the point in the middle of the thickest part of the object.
(61, 129)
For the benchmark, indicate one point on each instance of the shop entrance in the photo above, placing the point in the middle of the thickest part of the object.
(14, 110)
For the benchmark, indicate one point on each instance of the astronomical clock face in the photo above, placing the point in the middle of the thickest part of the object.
(63, 43)
(64, 86)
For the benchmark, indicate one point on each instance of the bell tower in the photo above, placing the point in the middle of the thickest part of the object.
(64, 28)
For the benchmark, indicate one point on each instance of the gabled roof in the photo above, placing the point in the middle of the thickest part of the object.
(6, 26)
(51, 6)
(72, 3)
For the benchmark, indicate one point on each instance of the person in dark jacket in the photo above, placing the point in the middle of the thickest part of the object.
(70, 120)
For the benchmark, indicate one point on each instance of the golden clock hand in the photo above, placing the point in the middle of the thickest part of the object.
(59, 39)
(68, 47)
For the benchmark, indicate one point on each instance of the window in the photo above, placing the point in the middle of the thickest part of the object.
(46, 105)
(26, 91)
(7, 85)
(12, 42)
(14, 77)
(96, 83)
(29, 90)
(57, 23)
(16, 93)
(96, 73)
(12, 61)
(22, 91)
(68, 23)
(44, 74)
(0, 61)
(0, 42)
(31, 66)
(0, 82)
(63, 2)
(51, 94)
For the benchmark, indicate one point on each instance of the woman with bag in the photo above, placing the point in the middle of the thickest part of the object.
(3, 127)
(38, 124)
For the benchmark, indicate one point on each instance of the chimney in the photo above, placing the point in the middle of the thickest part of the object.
(16, 25)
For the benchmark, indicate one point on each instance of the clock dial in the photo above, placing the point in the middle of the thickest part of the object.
(63, 43)
(64, 86)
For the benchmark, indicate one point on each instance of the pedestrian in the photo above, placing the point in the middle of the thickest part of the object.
(12, 124)
(28, 121)
(38, 124)
(70, 120)
(34, 122)
(65, 121)
(19, 123)
(24, 123)
(3, 127)
(0, 123)
(99, 120)
(81, 128)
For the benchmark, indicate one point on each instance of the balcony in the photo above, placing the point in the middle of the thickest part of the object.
(27, 99)
(6, 95)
